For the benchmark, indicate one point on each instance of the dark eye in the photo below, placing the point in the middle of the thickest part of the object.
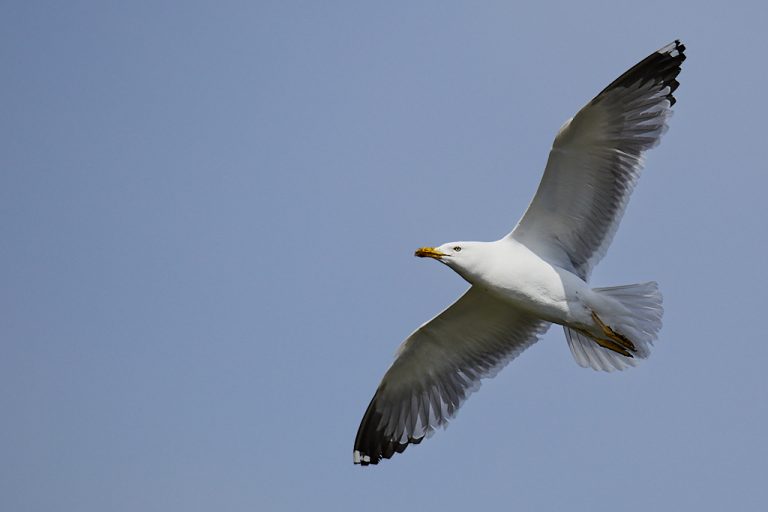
(457, 248)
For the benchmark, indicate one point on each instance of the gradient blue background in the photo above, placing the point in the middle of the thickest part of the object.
(208, 213)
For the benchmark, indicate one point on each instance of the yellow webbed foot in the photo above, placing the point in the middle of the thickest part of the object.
(614, 338)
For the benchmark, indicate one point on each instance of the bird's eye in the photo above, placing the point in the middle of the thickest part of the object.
(457, 248)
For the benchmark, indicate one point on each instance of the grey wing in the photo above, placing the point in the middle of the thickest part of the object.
(595, 161)
(437, 367)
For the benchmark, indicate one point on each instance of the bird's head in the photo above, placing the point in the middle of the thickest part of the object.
(460, 256)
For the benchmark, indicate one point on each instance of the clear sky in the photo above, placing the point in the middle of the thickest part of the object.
(208, 212)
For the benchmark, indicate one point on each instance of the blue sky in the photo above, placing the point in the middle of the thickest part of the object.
(209, 212)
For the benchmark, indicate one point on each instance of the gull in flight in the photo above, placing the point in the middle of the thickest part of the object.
(538, 274)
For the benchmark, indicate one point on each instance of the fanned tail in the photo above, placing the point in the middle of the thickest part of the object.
(640, 323)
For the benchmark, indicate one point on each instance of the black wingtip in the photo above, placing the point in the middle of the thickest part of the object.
(669, 67)
(662, 67)
(371, 444)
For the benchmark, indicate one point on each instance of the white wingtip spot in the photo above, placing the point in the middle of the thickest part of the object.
(672, 49)
(357, 458)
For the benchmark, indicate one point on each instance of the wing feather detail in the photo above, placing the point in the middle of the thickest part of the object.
(595, 162)
(438, 367)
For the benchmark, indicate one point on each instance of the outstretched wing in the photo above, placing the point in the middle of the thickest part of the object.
(595, 161)
(437, 367)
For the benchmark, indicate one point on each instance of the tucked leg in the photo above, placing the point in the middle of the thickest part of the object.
(619, 339)
(606, 343)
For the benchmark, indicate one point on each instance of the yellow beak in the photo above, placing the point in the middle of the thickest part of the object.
(429, 252)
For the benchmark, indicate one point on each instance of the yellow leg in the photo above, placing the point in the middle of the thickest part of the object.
(605, 343)
(610, 345)
(620, 339)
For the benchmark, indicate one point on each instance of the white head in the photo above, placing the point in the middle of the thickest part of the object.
(463, 257)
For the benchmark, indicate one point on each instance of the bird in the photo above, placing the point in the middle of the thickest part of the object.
(538, 274)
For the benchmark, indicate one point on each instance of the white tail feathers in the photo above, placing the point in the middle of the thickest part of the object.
(639, 321)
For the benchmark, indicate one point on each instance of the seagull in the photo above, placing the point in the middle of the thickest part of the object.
(537, 275)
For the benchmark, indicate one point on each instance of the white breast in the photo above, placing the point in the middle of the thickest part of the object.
(514, 272)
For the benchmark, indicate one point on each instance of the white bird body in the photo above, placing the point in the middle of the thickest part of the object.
(516, 274)
(511, 271)
(538, 274)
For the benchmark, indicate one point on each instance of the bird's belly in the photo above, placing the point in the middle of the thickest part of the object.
(545, 299)
(548, 292)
